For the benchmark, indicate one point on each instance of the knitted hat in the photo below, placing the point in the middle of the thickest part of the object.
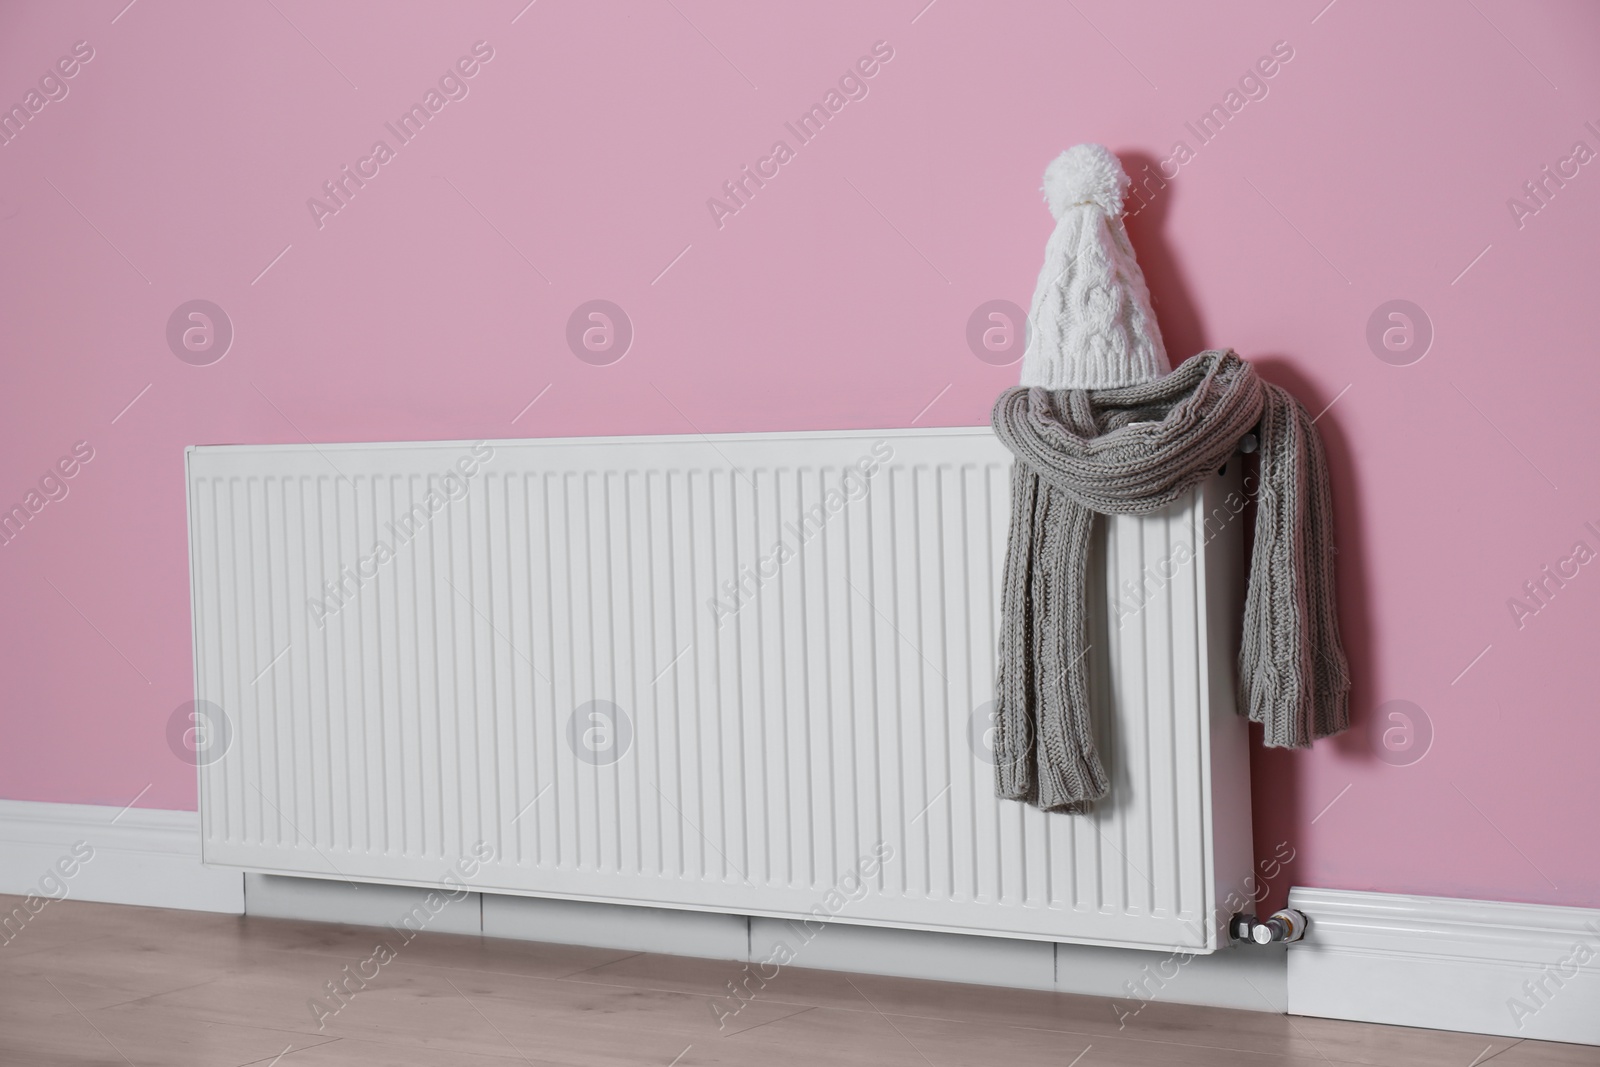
(1092, 323)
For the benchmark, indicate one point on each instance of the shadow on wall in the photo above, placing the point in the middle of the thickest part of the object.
(1274, 773)
(1181, 328)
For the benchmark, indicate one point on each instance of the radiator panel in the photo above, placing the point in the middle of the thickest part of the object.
(388, 710)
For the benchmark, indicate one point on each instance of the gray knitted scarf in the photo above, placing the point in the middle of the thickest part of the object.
(1133, 450)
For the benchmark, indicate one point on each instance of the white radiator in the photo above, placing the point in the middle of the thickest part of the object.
(716, 673)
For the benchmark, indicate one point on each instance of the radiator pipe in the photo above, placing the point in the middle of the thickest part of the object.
(1286, 925)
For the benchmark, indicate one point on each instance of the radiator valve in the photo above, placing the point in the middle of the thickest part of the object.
(1285, 925)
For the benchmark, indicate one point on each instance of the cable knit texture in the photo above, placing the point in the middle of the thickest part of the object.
(1092, 323)
(1132, 451)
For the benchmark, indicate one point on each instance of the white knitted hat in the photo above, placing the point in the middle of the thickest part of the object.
(1092, 323)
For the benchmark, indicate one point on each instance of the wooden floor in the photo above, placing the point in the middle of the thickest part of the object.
(90, 984)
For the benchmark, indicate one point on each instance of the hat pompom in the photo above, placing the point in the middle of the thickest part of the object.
(1085, 174)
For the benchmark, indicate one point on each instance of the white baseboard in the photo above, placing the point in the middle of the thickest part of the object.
(329, 900)
(139, 856)
(1245, 976)
(1513, 970)
(1000, 961)
(1248, 977)
(152, 858)
(626, 927)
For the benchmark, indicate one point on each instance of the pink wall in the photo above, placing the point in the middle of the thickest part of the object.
(1377, 167)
